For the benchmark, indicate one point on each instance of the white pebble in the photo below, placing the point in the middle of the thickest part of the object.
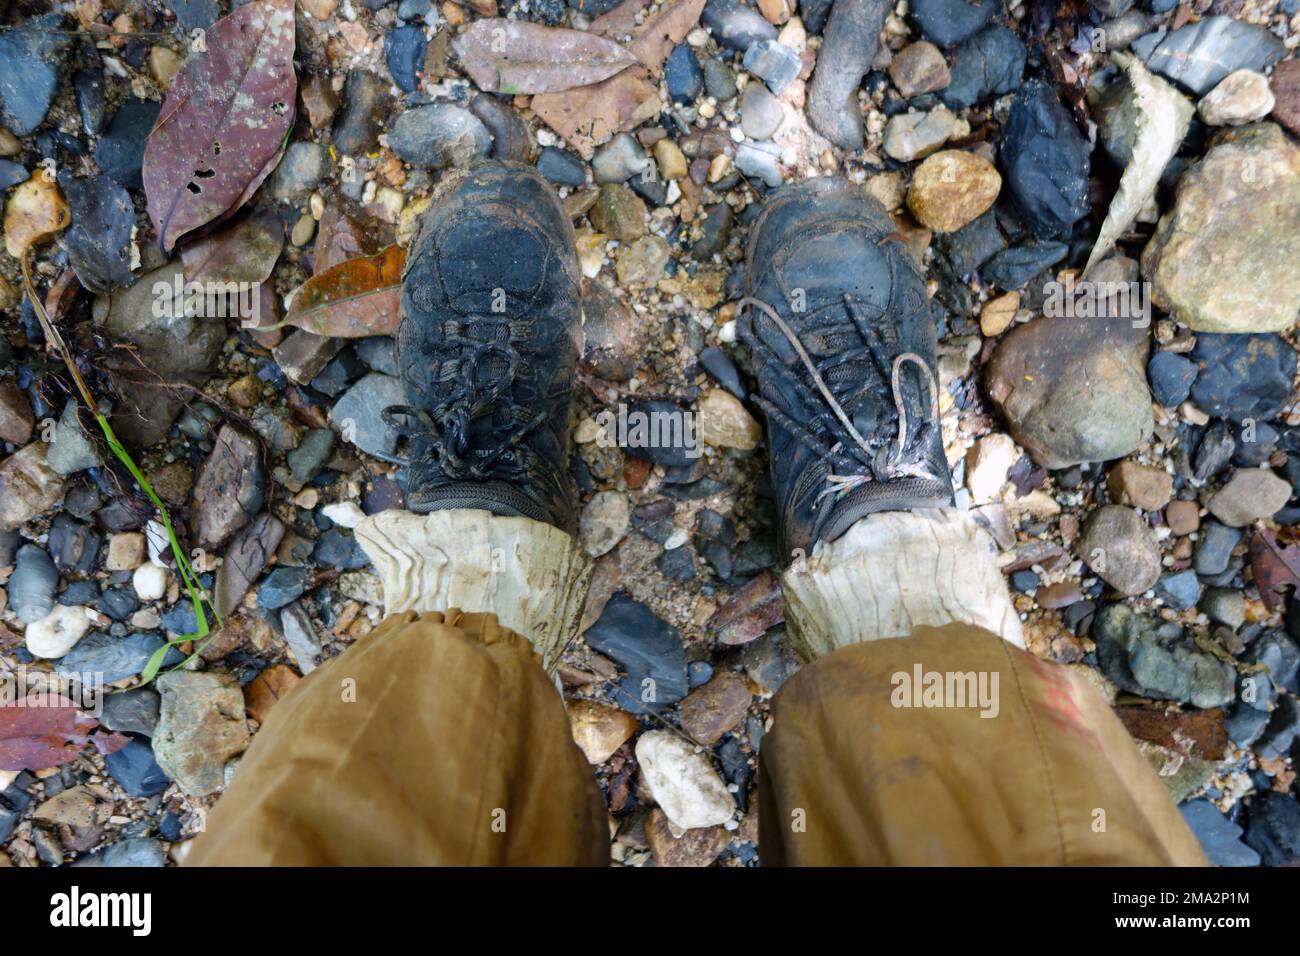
(150, 581)
(56, 633)
(345, 514)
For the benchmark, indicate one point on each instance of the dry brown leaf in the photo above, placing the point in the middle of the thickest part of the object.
(589, 116)
(514, 56)
(353, 299)
(35, 213)
(654, 40)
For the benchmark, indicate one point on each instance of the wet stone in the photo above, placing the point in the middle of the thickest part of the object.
(404, 50)
(120, 152)
(949, 22)
(683, 75)
(1045, 160)
(561, 166)
(441, 135)
(1243, 376)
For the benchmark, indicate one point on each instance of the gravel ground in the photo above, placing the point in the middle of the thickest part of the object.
(1138, 470)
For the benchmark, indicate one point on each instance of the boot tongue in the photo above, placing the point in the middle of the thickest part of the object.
(480, 257)
(831, 266)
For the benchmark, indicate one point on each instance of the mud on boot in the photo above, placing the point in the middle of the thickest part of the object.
(488, 346)
(842, 342)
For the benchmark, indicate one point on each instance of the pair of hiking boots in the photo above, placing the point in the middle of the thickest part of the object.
(836, 319)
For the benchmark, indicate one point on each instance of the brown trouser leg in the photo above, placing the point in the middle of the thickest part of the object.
(849, 777)
(425, 743)
(410, 747)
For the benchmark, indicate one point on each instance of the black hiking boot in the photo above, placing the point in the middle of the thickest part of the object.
(487, 349)
(842, 341)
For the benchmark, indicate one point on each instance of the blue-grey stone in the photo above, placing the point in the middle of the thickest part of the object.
(991, 63)
(1214, 546)
(1273, 828)
(736, 26)
(282, 586)
(135, 770)
(683, 74)
(1145, 655)
(88, 87)
(1243, 376)
(134, 851)
(1045, 160)
(949, 22)
(132, 711)
(120, 153)
(115, 657)
(11, 173)
(648, 649)
(1011, 268)
(1171, 376)
(1201, 54)
(100, 239)
(561, 166)
(195, 14)
(774, 63)
(358, 415)
(404, 50)
(29, 72)
(1219, 837)
(719, 79)
(1180, 590)
(32, 584)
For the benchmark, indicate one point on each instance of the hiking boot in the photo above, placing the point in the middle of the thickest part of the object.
(488, 348)
(842, 342)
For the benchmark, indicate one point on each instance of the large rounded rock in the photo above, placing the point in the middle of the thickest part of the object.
(1145, 655)
(1073, 390)
(1119, 547)
(1226, 258)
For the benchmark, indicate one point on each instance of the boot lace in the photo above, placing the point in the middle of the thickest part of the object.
(445, 438)
(851, 459)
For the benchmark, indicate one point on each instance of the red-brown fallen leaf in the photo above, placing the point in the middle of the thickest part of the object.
(262, 692)
(353, 299)
(750, 612)
(589, 116)
(343, 235)
(619, 22)
(654, 40)
(49, 731)
(515, 56)
(225, 121)
(245, 251)
(1273, 566)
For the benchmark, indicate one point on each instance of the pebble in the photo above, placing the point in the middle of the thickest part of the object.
(57, 632)
(991, 63)
(619, 160)
(304, 645)
(1199, 55)
(201, 726)
(1046, 161)
(734, 25)
(952, 188)
(561, 166)
(439, 136)
(1250, 494)
(32, 584)
(988, 462)
(229, 487)
(1240, 98)
(760, 112)
(345, 514)
(366, 104)
(27, 486)
(683, 75)
(149, 581)
(698, 847)
(682, 781)
(1219, 837)
(1214, 548)
(1227, 257)
(1013, 268)
(1243, 377)
(99, 243)
(1140, 486)
(999, 313)
(1073, 390)
(358, 415)
(131, 852)
(599, 729)
(949, 22)
(313, 451)
(724, 422)
(1225, 606)
(1214, 451)
(1145, 655)
(282, 587)
(912, 136)
(120, 151)
(1273, 828)
(850, 43)
(1180, 590)
(715, 708)
(719, 80)
(136, 771)
(919, 68)
(774, 63)
(618, 212)
(1119, 547)
(648, 649)
(642, 262)
(1183, 517)
(1286, 91)
(115, 657)
(29, 72)
(604, 522)
(1171, 376)
(299, 172)
(404, 50)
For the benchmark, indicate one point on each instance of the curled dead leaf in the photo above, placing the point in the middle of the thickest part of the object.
(35, 213)
(353, 299)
